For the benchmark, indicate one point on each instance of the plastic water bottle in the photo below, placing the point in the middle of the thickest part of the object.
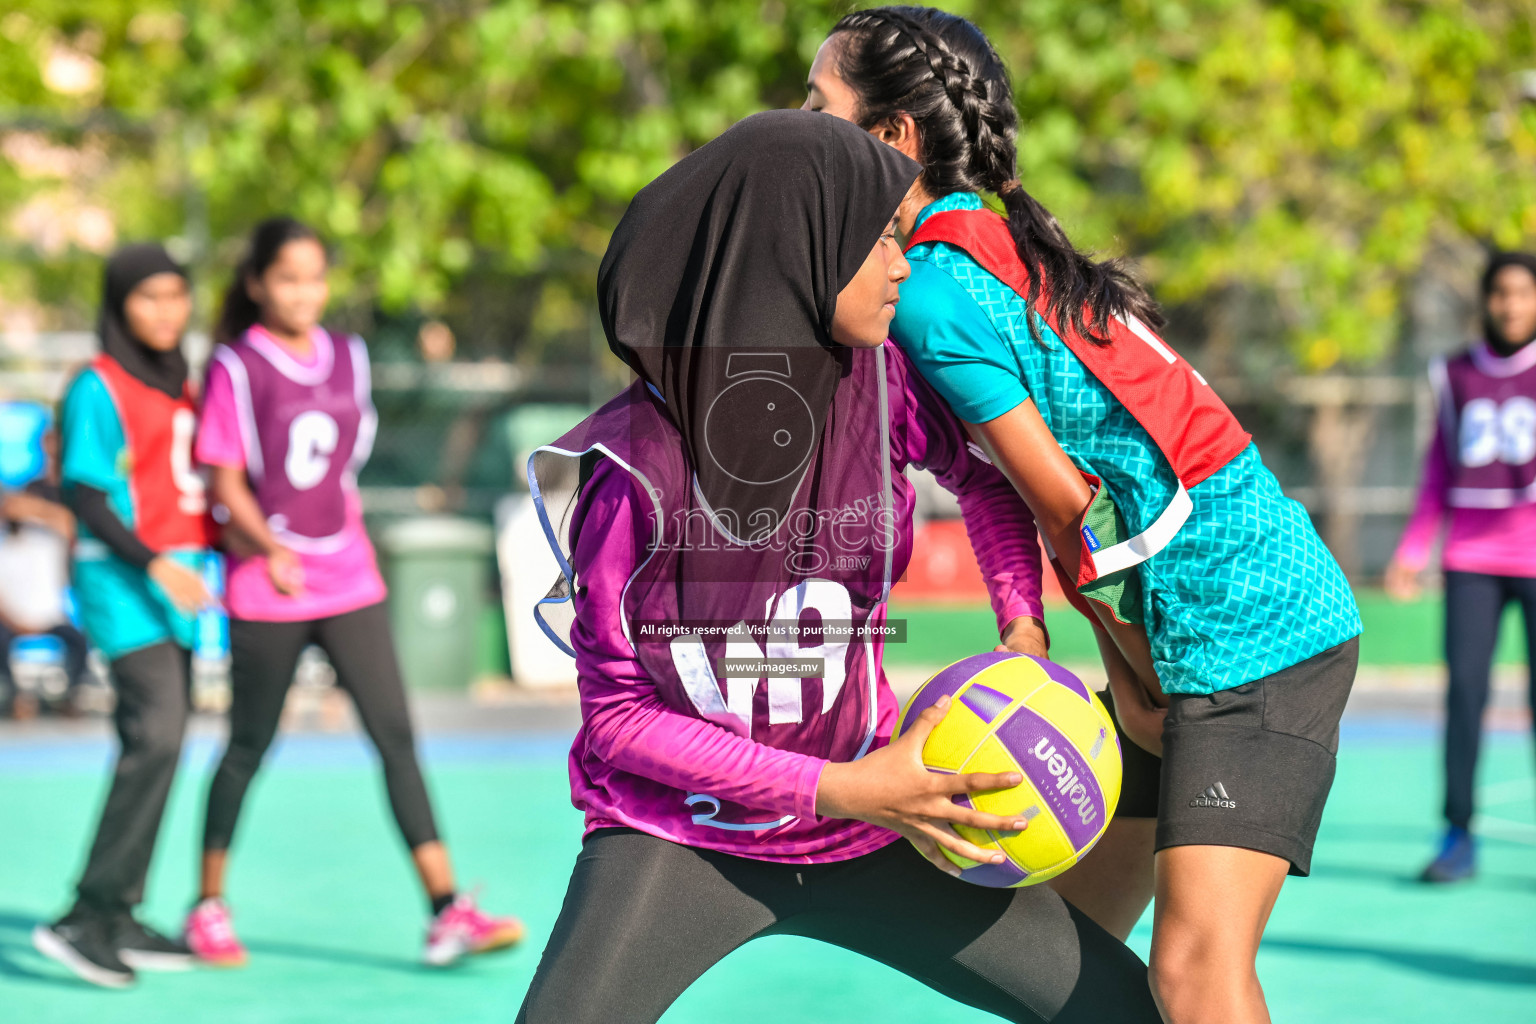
(212, 637)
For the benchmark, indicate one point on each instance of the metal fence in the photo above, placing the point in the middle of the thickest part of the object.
(445, 441)
(1346, 447)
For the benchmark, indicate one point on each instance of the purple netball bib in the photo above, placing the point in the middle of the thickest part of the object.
(768, 637)
(1488, 409)
(307, 430)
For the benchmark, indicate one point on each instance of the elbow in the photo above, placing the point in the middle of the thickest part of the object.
(601, 742)
(610, 735)
(74, 496)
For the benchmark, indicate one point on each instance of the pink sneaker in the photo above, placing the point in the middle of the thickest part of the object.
(463, 928)
(211, 935)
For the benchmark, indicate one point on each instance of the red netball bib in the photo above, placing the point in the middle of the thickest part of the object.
(1190, 425)
(170, 502)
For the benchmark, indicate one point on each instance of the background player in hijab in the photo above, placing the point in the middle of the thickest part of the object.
(1480, 479)
(128, 423)
(288, 422)
(1150, 493)
(750, 288)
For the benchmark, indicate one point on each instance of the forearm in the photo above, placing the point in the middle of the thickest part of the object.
(1132, 650)
(1023, 450)
(1139, 711)
(90, 504)
(1002, 535)
(29, 508)
(232, 490)
(1424, 525)
(1126, 670)
(998, 522)
(642, 736)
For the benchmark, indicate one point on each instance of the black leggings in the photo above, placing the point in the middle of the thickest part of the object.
(153, 687)
(644, 918)
(263, 656)
(1474, 604)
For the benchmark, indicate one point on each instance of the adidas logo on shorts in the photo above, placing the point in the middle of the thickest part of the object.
(1214, 796)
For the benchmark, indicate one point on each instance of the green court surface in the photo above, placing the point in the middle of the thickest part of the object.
(1396, 634)
(324, 897)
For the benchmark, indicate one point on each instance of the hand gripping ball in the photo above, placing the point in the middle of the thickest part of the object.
(1014, 712)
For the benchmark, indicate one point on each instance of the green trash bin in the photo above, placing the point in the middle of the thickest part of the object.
(437, 568)
(534, 424)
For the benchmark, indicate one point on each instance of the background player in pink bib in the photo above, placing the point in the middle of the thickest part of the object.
(289, 420)
(1479, 486)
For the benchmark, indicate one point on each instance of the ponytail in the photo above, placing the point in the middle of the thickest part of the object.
(1079, 282)
(940, 69)
(240, 312)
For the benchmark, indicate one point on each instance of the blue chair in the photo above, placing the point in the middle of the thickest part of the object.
(22, 457)
(38, 666)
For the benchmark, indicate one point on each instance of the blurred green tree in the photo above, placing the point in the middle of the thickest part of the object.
(469, 158)
(1311, 150)
(465, 158)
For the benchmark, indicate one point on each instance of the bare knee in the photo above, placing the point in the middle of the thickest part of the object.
(1197, 978)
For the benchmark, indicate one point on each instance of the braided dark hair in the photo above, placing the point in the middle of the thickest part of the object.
(941, 69)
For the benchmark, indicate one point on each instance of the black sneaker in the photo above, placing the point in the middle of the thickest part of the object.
(144, 949)
(85, 944)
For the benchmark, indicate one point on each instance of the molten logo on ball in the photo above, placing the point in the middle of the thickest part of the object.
(1067, 782)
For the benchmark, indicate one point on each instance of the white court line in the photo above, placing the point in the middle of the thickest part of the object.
(1507, 791)
(1503, 828)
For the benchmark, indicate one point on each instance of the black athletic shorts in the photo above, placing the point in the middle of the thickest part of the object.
(1248, 767)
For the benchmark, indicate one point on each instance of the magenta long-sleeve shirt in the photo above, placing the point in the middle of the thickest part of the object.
(1496, 542)
(630, 739)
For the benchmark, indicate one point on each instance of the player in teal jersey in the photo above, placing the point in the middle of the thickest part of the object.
(127, 430)
(1233, 629)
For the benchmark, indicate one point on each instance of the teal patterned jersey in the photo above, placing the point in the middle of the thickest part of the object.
(1244, 589)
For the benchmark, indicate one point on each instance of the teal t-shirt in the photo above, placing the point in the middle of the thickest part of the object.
(1244, 589)
(121, 609)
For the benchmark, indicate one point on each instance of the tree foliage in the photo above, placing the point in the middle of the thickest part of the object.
(469, 158)
(1314, 150)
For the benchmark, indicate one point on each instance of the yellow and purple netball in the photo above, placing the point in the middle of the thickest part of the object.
(1018, 713)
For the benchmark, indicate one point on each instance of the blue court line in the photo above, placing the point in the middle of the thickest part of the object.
(1386, 728)
(352, 750)
(340, 750)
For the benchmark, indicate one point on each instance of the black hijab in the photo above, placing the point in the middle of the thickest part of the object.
(718, 289)
(126, 270)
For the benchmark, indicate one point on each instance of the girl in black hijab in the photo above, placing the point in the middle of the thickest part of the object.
(127, 427)
(752, 479)
(159, 367)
